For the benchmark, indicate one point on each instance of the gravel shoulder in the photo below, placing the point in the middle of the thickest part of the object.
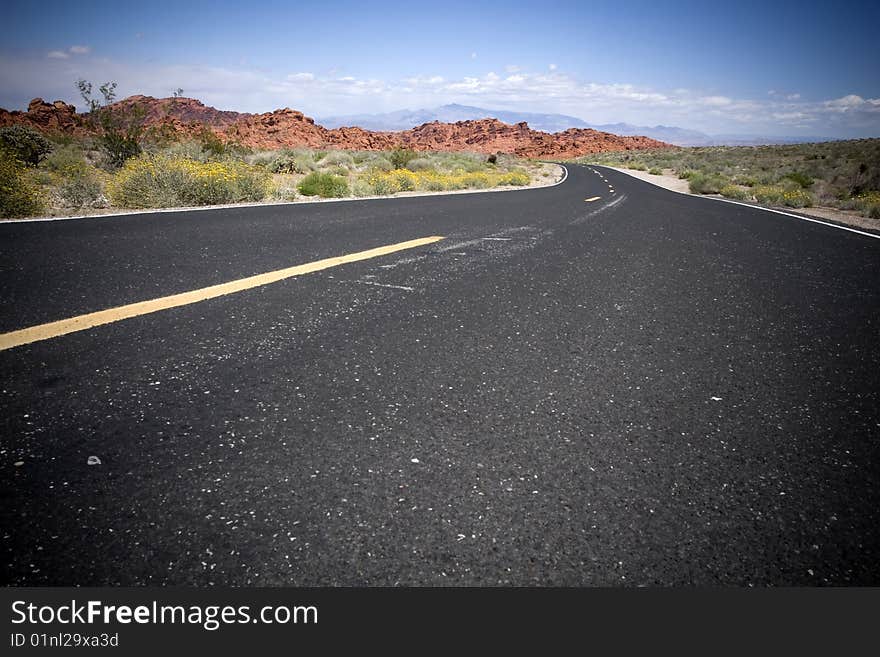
(673, 183)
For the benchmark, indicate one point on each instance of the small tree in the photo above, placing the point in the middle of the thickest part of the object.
(401, 156)
(26, 144)
(120, 127)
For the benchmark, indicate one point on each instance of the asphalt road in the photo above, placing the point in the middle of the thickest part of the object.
(647, 388)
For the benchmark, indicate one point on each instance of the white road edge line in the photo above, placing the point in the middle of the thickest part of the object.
(755, 207)
(232, 206)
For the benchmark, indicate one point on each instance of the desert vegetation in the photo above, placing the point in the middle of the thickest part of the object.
(75, 175)
(115, 162)
(839, 174)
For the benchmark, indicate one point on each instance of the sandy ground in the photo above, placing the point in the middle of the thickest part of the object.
(671, 182)
(543, 174)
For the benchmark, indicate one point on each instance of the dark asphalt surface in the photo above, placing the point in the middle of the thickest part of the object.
(647, 389)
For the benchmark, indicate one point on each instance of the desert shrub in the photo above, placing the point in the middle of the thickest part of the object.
(404, 180)
(656, 172)
(161, 181)
(476, 180)
(636, 166)
(381, 164)
(79, 186)
(284, 193)
(63, 158)
(120, 127)
(325, 185)
(874, 211)
(337, 159)
(771, 194)
(400, 157)
(26, 144)
(686, 174)
(780, 195)
(797, 198)
(211, 143)
(492, 159)
(385, 183)
(734, 192)
(361, 188)
(19, 197)
(420, 164)
(261, 159)
(292, 162)
(436, 183)
(706, 184)
(189, 150)
(802, 179)
(517, 178)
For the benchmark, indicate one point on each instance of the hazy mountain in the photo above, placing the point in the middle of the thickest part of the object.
(406, 119)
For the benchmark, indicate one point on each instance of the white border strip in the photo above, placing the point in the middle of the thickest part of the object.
(230, 206)
(745, 205)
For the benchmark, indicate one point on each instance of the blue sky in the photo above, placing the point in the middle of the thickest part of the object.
(772, 68)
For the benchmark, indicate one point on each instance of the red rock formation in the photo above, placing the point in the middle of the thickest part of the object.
(287, 128)
(183, 110)
(46, 117)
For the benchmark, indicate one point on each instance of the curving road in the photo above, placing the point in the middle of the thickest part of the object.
(642, 388)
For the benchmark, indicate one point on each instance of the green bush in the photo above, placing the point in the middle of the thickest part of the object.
(63, 158)
(702, 184)
(802, 179)
(656, 172)
(770, 194)
(26, 144)
(325, 185)
(19, 197)
(874, 211)
(120, 127)
(401, 157)
(156, 182)
(734, 192)
(780, 195)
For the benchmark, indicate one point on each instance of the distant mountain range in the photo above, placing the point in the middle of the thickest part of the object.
(406, 119)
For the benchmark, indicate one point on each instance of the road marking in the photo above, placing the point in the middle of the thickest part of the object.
(590, 200)
(394, 287)
(91, 320)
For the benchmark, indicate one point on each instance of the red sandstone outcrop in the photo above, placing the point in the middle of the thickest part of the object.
(46, 117)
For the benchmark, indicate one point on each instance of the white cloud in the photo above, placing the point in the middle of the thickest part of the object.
(80, 50)
(473, 55)
(317, 94)
(512, 68)
(552, 67)
(716, 101)
(57, 54)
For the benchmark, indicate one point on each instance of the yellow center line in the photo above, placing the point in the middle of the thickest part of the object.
(590, 200)
(90, 320)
